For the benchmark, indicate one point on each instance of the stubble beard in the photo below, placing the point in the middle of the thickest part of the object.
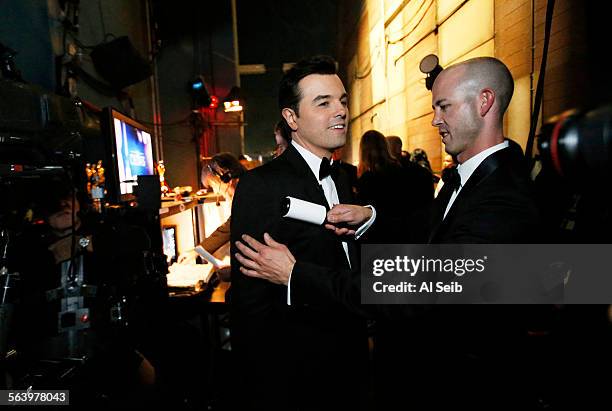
(465, 134)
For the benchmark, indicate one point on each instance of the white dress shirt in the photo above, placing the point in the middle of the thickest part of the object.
(467, 168)
(331, 195)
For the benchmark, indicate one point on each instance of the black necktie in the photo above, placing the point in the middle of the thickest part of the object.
(452, 181)
(327, 169)
(451, 177)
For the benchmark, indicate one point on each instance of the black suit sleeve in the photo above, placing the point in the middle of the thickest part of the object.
(315, 284)
(256, 305)
(254, 212)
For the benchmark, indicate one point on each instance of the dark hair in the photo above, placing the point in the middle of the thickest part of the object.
(419, 156)
(395, 145)
(374, 152)
(283, 128)
(289, 94)
(229, 162)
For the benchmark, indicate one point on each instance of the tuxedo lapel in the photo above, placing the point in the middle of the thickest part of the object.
(312, 189)
(343, 187)
(439, 208)
(313, 192)
(485, 169)
(345, 195)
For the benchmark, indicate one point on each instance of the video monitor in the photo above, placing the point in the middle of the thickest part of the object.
(131, 154)
(169, 243)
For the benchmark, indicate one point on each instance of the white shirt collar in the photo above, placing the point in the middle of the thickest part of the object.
(466, 169)
(313, 161)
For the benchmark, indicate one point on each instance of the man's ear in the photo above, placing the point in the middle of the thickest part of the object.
(487, 98)
(290, 117)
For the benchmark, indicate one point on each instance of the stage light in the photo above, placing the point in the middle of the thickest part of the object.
(199, 93)
(214, 102)
(197, 85)
(232, 102)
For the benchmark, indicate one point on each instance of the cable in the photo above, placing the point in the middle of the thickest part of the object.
(102, 19)
(78, 42)
(540, 89)
(398, 32)
(368, 70)
(416, 25)
(70, 277)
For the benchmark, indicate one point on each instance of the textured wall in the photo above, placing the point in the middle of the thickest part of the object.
(382, 42)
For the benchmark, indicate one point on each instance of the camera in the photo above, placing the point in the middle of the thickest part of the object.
(575, 150)
(578, 145)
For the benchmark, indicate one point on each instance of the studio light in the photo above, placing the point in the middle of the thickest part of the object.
(431, 67)
(199, 94)
(232, 102)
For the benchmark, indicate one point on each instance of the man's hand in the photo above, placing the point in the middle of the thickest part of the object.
(353, 215)
(271, 261)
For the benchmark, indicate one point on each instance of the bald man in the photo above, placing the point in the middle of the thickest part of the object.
(491, 201)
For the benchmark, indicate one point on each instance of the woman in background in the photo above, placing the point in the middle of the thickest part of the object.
(226, 170)
(396, 192)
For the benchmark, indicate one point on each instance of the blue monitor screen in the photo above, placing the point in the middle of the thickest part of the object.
(169, 243)
(134, 154)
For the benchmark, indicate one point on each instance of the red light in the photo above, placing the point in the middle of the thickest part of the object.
(214, 102)
(84, 318)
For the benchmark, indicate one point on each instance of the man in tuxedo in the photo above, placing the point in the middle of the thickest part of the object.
(488, 197)
(488, 200)
(292, 356)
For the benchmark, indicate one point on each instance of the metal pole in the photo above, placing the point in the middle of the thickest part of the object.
(237, 66)
(154, 85)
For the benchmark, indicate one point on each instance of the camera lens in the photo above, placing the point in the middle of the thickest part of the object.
(577, 145)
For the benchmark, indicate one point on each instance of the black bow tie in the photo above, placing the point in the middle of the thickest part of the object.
(451, 177)
(328, 169)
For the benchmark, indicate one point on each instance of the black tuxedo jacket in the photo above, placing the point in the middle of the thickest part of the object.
(294, 356)
(496, 205)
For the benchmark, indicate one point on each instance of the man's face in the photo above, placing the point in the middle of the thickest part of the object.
(62, 219)
(455, 114)
(323, 110)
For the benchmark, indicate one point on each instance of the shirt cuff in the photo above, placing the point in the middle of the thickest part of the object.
(289, 288)
(364, 227)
